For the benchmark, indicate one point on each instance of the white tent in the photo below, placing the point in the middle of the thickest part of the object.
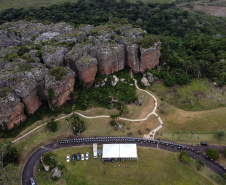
(119, 151)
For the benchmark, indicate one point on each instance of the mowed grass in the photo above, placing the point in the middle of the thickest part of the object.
(192, 127)
(153, 167)
(202, 122)
(200, 94)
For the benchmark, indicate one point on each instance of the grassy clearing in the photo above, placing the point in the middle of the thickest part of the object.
(202, 122)
(5, 4)
(102, 127)
(137, 112)
(153, 167)
(192, 127)
(198, 95)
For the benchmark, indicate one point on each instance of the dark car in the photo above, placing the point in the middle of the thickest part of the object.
(73, 158)
(78, 157)
(204, 143)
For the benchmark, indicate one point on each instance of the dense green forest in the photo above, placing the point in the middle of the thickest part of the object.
(193, 43)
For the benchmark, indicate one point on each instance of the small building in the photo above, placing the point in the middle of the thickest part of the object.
(138, 102)
(119, 152)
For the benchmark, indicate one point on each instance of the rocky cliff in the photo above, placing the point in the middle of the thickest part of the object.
(40, 62)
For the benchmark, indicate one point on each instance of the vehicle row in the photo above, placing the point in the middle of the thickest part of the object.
(224, 168)
(78, 156)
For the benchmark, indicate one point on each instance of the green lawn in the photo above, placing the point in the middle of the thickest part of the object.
(153, 167)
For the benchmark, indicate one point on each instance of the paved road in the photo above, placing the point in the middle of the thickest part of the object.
(28, 170)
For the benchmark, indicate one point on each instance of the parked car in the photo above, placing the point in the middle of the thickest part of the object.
(87, 155)
(78, 156)
(82, 157)
(73, 158)
(32, 181)
(204, 143)
(68, 158)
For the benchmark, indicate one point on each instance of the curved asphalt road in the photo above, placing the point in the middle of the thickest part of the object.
(29, 168)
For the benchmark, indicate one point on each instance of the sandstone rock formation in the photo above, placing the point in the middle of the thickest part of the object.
(150, 57)
(133, 57)
(87, 70)
(11, 109)
(58, 91)
(28, 50)
(110, 57)
(54, 56)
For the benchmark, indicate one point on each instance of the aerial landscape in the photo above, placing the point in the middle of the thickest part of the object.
(103, 92)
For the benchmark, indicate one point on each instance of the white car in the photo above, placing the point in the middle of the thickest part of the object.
(68, 158)
(87, 155)
(82, 157)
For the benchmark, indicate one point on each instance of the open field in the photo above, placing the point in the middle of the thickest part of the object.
(198, 95)
(215, 8)
(153, 167)
(5, 4)
(192, 126)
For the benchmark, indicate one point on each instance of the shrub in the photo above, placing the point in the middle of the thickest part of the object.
(184, 157)
(58, 72)
(200, 163)
(163, 108)
(49, 161)
(78, 125)
(52, 125)
(219, 134)
(22, 50)
(112, 122)
(147, 41)
(4, 91)
(11, 156)
(212, 154)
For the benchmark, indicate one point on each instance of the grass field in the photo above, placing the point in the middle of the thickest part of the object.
(198, 95)
(153, 167)
(191, 126)
(5, 4)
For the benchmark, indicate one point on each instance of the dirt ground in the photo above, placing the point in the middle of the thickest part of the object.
(215, 8)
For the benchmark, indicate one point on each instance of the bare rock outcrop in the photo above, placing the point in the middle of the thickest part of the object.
(54, 56)
(75, 54)
(23, 82)
(110, 57)
(87, 70)
(58, 91)
(150, 57)
(11, 108)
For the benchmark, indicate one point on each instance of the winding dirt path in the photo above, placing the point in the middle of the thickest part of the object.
(150, 135)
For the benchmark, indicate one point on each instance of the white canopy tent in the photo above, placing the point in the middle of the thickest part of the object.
(123, 151)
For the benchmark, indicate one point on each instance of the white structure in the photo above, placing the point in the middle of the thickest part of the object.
(119, 151)
(94, 150)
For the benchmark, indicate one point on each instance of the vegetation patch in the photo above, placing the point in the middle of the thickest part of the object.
(58, 72)
(198, 95)
(4, 91)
